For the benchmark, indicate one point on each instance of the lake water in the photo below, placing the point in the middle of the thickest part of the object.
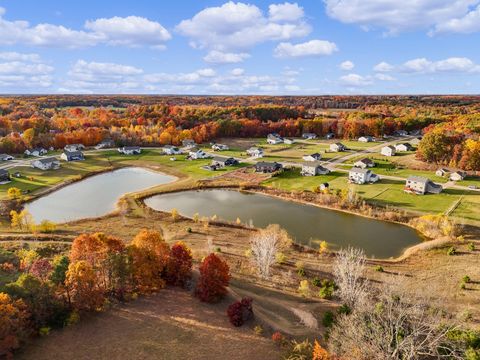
(305, 223)
(93, 196)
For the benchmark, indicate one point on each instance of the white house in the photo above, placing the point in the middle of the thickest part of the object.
(274, 139)
(130, 150)
(219, 147)
(416, 141)
(5, 157)
(105, 144)
(36, 152)
(171, 150)
(337, 147)
(50, 163)
(403, 147)
(312, 157)
(442, 172)
(313, 168)
(255, 152)
(458, 175)
(365, 139)
(188, 143)
(72, 156)
(196, 154)
(401, 133)
(420, 186)
(309, 136)
(388, 150)
(74, 147)
(288, 141)
(362, 176)
(364, 163)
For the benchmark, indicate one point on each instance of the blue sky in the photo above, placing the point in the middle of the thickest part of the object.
(256, 47)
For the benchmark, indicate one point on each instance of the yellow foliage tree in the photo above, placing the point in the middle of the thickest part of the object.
(14, 193)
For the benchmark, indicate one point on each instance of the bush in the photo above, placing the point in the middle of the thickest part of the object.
(328, 319)
(327, 287)
(240, 312)
(466, 279)
(471, 246)
(277, 337)
(189, 230)
(316, 282)
(344, 309)
(214, 278)
(379, 268)
(179, 265)
(451, 251)
(304, 288)
(258, 330)
(301, 272)
(280, 258)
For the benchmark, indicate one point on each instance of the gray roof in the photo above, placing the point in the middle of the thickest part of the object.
(314, 155)
(365, 161)
(221, 158)
(3, 172)
(418, 179)
(312, 164)
(359, 170)
(131, 148)
(47, 160)
(72, 153)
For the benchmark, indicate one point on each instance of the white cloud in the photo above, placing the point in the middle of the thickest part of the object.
(383, 67)
(237, 72)
(347, 65)
(235, 26)
(355, 80)
(384, 77)
(453, 64)
(15, 56)
(130, 31)
(24, 73)
(469, 23)
(18, 67)
(285, 12)
(397, 16)
(309, 48)
(206, 72)
(82, 68)
(219, 57)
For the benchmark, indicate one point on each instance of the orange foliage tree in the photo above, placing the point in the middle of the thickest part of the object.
(214, 278)
(179, 266)
(149, 255)
(319, 353)
(82, 283)
(13, 320)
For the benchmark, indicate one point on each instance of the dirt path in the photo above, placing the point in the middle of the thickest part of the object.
(169, 325)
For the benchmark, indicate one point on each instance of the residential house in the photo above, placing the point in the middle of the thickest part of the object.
(365, 139)
(403, 147)
(420, 186)
(274, 139)
(222, 161)
(415, 141)
(130, 150)
(5, 157)
(105, 144)
(337, 147)
(255, 152)
(288, 141)
(312, 157)
(268, 167)
(309, 136)
(36, 152)
(362, 176)
(324, 186)
(364, 163)
(188, 143)
(442, 172)
(4, 176)
(220, 147)
(196, 154)
(50, 163)
(400, 133)
(74, 147)
(313, 168)
(72, 155)
(388, 150)
(458, 175)
(171, 150)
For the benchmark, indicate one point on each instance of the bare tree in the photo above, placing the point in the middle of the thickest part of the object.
(348, 271)
(393, 325)
(265, 245)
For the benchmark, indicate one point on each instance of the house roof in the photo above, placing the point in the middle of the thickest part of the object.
(338, 144)
(312, 164)
(389, 147)
(255, 148)
(313, 155)
(222, 158)
(47, 160)
(3, 172)
(131, 148)
(72, 153)
(359, 170)
(267, 164)
(366, 161)
(418, 179)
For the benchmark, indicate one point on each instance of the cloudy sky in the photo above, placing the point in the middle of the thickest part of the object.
(253, 47)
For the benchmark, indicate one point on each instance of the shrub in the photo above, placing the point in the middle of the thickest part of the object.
(327, 287)
(277, 337)
(179, 265)
(466, 279)
(280, 258)
(304, 288)
(344, 309)
(379, 268)
(451, 251)
(299, 265)
(258, 330)
(240, 312)
(316, 282)
(471, 246)
(189, 230)
(328, 319)
(44, 331)
(301, 272)
(218, 249)
(214, 278)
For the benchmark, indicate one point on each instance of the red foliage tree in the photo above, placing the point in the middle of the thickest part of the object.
(240, 311)
(214, 278)
(13, 321)
(179, 266)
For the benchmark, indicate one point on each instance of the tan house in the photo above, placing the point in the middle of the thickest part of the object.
(313, 168)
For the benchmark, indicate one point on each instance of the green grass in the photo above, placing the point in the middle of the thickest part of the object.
(351, 144)
(292, 180)
(470, 180)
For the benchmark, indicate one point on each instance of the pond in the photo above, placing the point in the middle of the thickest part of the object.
(306, 224)
(94, 196)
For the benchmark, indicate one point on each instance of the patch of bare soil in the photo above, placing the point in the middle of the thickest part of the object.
(168, 325)
(238, 143)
